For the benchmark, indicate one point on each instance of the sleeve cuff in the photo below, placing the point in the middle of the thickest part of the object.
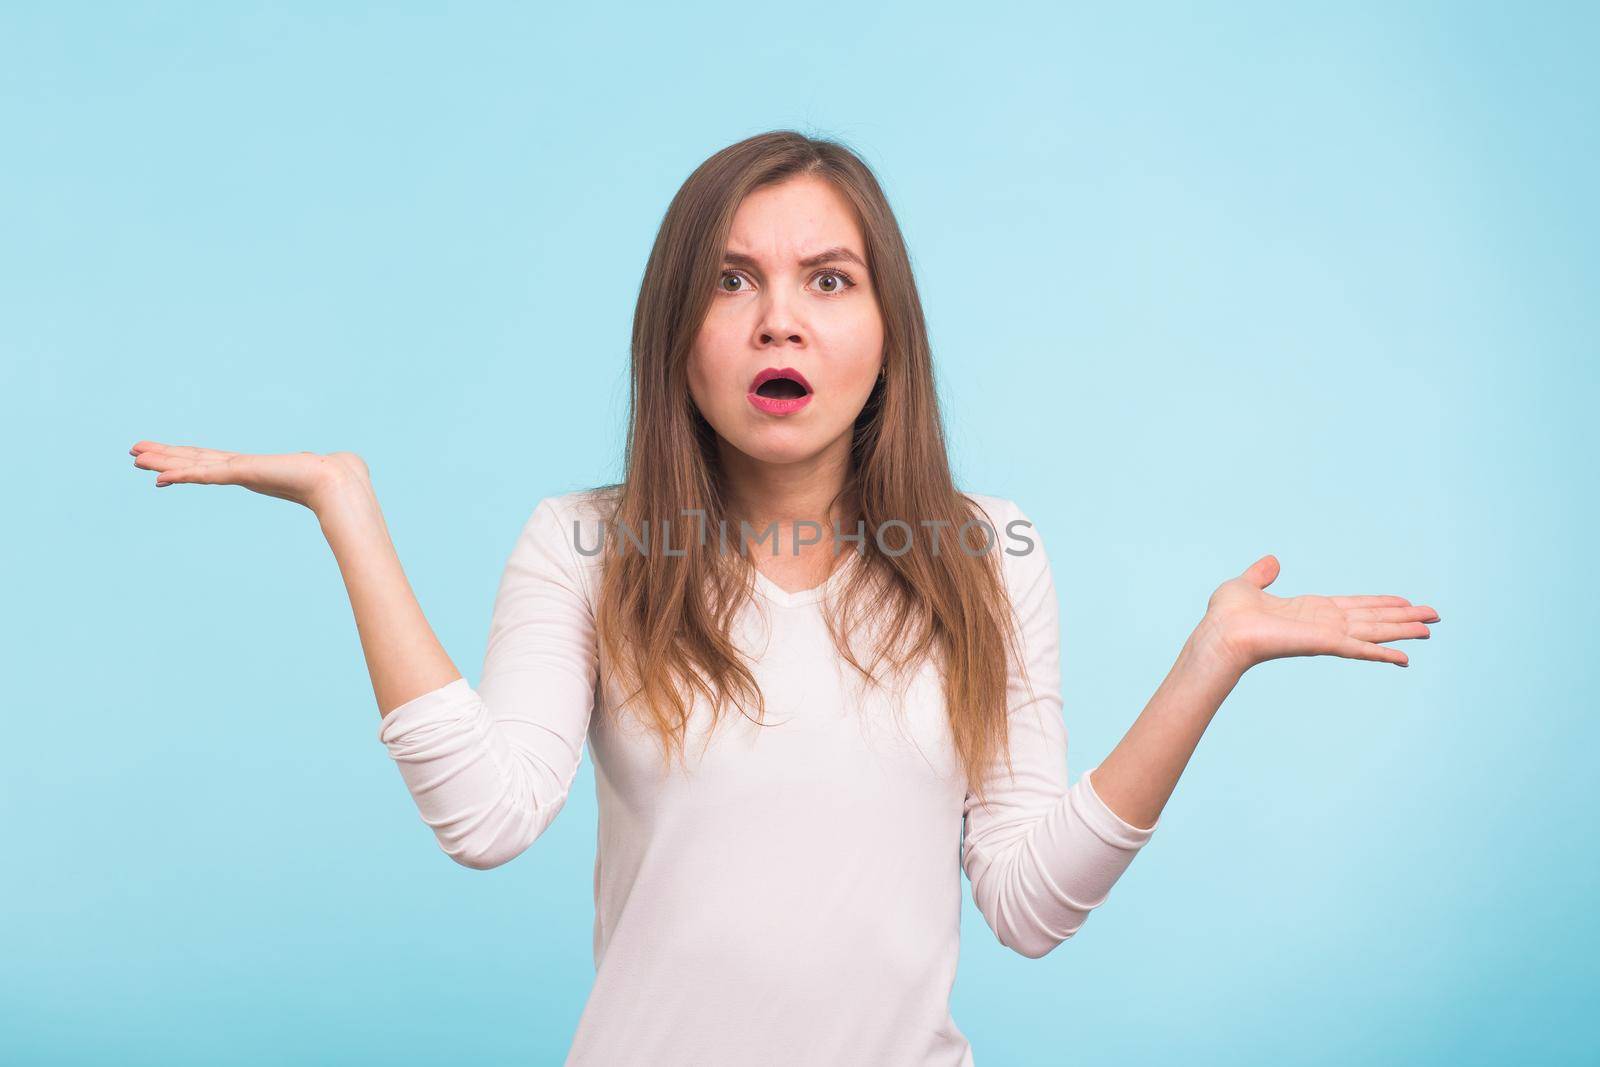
(1107, 824)
(431, 707)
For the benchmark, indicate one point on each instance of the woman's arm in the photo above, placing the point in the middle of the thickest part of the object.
(404, 656)
(1042, 854)
(1141, 772)
(489, 768)
(1243, 626)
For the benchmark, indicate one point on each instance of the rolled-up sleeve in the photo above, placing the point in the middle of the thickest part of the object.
(1041, 855)
(490, 767)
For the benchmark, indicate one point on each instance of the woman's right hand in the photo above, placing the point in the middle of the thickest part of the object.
(307, 478)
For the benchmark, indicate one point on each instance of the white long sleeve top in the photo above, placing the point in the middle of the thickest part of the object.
(796, 899)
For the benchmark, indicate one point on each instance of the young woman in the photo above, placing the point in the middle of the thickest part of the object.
(817, 681)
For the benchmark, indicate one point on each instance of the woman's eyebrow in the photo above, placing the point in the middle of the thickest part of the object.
(827, 255)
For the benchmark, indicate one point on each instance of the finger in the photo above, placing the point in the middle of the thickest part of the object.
(1370, 601)
(197, 474)
(154, 446)
(174, 475)
(190, 452)
(166, 461)
(159, 461)
(1263, 572)
(1388, 631)
(1351, 648)
(1416, 613)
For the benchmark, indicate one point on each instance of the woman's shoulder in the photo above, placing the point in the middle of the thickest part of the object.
(1018, 541)
(595, 504)
(994, 509)
(569, 527)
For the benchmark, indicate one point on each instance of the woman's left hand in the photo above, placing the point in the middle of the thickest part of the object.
(1248, 625)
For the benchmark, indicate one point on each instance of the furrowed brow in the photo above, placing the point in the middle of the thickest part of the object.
(827, 255)
(832, 255)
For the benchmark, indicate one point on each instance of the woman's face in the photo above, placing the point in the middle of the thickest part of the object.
(794, 293)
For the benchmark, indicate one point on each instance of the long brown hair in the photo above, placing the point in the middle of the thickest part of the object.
(664, 621)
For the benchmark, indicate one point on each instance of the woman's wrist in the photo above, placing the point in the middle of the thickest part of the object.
(351, 520)
(1209, 652)
(344, 488)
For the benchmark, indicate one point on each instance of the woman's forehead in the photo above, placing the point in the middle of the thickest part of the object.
(793, 222)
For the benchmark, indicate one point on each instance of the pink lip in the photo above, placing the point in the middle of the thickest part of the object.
(774, 405)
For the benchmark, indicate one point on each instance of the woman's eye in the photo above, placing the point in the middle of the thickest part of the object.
(829, 282)
(840, 282)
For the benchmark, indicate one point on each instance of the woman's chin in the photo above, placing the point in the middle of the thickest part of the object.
(779, 445)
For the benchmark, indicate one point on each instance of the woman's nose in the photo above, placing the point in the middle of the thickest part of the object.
(778, 325)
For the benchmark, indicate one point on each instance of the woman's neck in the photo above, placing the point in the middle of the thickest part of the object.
(786, 493)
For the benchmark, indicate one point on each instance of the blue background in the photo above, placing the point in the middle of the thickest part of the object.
(1203, 284)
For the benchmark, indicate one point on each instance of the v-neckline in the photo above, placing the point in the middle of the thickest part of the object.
(779, 595)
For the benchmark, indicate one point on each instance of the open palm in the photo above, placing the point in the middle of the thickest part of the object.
(303, 477)
(1256, 626)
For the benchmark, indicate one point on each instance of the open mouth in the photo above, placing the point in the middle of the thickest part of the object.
(779, 391)
(780, 383)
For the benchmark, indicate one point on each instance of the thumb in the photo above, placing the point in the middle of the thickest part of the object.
(1263, 572)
